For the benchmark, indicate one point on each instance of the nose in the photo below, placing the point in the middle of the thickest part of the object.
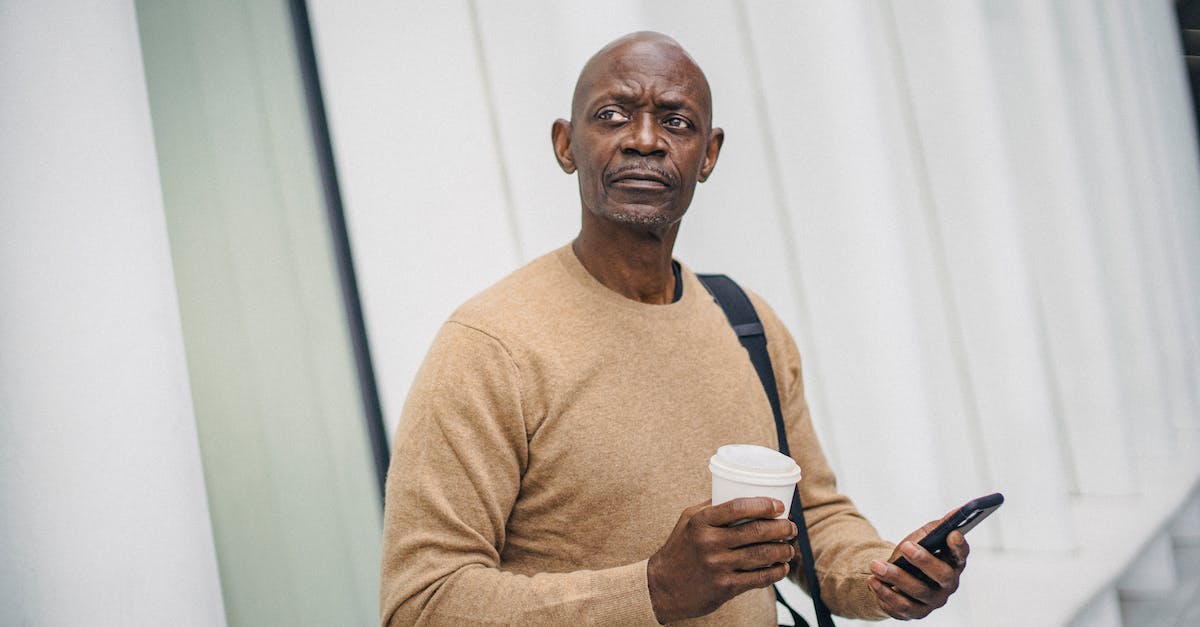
(644, 137)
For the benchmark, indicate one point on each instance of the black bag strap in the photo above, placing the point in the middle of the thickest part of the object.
(745, 322)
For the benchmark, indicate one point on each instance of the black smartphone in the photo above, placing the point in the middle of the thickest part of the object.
(964, 520)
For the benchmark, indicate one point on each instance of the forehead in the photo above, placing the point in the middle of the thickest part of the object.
(635, 68)
(648, 57)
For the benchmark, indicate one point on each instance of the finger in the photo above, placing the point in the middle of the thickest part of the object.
(959, 549)
(741, 509)
(686, 516)
(903, 582)
(940, 572)
(758, 531)
(757, 556)
(895, 604)
(758, 578)
(690, 512)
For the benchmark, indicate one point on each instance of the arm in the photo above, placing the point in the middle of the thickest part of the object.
(844, 543)
(456, 471)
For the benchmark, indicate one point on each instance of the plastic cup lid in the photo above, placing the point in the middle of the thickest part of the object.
(753, 461)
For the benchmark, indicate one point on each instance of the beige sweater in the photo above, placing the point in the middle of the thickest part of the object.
(554, 434)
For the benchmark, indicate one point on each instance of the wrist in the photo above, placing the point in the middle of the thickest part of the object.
(657, 596)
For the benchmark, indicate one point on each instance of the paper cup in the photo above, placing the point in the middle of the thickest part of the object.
(740, 470)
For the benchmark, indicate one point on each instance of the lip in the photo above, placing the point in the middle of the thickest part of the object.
(641, 179)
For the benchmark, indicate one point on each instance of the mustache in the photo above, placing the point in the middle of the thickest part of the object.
(643, 166)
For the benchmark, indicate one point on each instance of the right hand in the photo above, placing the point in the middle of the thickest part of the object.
(705, 562)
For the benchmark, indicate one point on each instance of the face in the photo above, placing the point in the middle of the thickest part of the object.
(641, 134)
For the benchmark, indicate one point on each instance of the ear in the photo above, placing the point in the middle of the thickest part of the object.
(716, 138)
(560, 138)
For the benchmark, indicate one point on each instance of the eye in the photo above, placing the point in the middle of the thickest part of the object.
(615, 115)
(677, 122)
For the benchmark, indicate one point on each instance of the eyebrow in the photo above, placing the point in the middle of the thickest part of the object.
(669, 101)
(619, 95)
(673, 103)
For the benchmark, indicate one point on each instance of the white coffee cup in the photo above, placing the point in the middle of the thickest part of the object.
(740, 470)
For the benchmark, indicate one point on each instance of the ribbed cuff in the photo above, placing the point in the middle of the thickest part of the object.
(852, 597)
(623, 595)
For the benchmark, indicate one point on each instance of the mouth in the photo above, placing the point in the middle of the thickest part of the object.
(641, 180)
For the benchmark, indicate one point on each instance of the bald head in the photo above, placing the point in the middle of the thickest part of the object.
(640, 136)
(647, 51)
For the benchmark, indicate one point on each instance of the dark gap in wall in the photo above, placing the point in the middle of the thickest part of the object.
(319, 125)
(1188, 13)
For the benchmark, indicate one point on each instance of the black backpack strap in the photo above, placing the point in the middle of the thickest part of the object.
(745, 322)
(797, 619)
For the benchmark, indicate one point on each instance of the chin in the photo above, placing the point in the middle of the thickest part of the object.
(640, 216)
(641, 219)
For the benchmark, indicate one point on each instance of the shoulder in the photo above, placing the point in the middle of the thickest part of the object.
(780, 345)
(785, 355)
(773, 326)
(518, 300)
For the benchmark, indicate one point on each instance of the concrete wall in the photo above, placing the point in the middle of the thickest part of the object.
(287, 463)
(103, 516)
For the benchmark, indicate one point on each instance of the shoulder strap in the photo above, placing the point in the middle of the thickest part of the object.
(745, 322)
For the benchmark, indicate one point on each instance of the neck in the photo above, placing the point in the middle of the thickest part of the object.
(633, 263)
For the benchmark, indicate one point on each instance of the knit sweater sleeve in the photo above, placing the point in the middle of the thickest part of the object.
(459, 455)
(843, 541)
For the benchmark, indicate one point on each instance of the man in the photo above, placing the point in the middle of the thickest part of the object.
(564, 418)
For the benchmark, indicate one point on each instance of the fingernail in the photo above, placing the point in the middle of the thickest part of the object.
(878, 568)
(909, 549)
(778, 507)
(795, 531)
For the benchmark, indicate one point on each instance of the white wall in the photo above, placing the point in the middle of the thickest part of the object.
(979, 219)
(103, 516)
(292, 490)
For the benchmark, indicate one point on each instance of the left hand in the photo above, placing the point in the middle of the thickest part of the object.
(905, 597)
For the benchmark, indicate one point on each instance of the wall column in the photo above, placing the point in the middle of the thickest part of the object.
(1055, 212)
(103, 515)
(879, 339)
(1150, 210)
(1096, 121)
(960, 129)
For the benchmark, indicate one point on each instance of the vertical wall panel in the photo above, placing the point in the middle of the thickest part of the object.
(1096, 127)
(1149, 209)
(295, 504)
(827, 106)
(1164, 63)
(961, 136)
(1052, 204)
(944, 363)
(1167, 109)
(534, 50)
(424, 199)
(103, 515)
